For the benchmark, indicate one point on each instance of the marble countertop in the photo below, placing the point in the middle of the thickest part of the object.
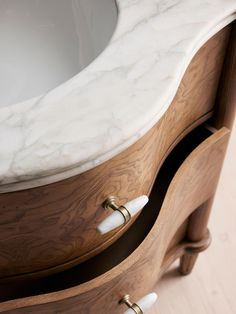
(115, 100)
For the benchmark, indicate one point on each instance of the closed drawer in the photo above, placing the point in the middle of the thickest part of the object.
(135, 262)
(50, 228)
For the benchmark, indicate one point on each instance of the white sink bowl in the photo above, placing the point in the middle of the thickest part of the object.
(43, 43)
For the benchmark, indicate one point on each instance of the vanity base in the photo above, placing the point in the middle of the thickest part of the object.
(160, 235)
(172, 226)
(52, 228)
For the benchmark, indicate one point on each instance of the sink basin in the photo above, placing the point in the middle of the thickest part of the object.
(46, 42)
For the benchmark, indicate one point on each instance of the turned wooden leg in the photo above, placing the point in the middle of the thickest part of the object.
(224, 116)
(197, 236)
(187, 263)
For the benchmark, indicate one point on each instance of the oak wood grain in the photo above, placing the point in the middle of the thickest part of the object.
(50, 228)
(225, 107)
(224, 114)
(138, 273)
(210, 289)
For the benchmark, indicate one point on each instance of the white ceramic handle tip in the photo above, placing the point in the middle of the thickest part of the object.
(116, 219)
(145, 303)
(136, 204)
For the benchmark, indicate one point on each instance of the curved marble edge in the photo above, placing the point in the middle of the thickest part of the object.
(115, 100)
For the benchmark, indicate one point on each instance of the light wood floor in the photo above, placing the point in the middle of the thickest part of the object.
(211, 288)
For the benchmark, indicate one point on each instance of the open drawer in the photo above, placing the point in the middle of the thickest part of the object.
(135, 262)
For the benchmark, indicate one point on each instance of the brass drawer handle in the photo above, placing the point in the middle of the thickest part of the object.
(141, 306)
(121, 214)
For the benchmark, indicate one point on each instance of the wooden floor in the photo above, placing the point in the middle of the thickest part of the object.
(211, 288)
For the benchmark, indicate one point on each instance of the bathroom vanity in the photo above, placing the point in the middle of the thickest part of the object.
(109, 157)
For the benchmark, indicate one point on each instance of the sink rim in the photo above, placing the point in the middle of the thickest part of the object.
(40, 146)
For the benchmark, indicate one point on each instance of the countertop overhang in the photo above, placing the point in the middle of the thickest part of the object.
(115, 100)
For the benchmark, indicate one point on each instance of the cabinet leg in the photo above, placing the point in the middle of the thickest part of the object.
(187, 262)
(197, 236)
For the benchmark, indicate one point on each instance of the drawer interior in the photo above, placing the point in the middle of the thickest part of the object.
(122, 248)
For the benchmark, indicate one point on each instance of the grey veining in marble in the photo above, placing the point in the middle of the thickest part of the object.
(116, 99)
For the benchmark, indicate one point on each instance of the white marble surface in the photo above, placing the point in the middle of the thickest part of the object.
(112, 102)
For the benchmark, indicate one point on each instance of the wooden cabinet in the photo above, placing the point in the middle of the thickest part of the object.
(137, 273)
(51, 228)
(52, 260)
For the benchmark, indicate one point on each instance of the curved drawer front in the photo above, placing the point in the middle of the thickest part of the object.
(54, 227)
(194, 183)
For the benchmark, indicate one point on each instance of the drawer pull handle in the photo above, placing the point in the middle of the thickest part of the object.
(121, 214)
(141, 306)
